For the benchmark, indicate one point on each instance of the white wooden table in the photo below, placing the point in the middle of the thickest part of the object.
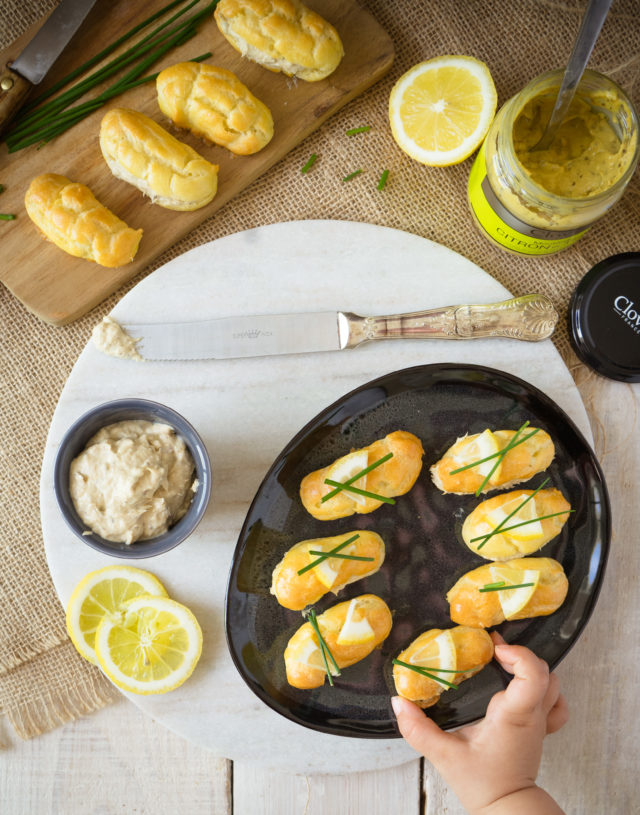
(120, 761)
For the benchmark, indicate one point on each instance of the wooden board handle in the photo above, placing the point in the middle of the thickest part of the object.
(13, 91)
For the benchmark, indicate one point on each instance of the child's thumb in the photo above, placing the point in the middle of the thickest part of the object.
(422, 733)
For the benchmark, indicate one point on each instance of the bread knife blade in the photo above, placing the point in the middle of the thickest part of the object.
(531, 317)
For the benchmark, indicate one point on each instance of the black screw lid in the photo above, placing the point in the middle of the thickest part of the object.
(604, 317)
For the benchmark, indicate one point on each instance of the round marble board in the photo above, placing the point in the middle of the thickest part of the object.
(248, 409)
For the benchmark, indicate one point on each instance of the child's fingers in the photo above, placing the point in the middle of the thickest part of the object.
(558, 715)
(531, 678)
(552, 694)
(421, 732)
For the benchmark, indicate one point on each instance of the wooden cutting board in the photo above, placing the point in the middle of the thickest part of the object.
(59, 288)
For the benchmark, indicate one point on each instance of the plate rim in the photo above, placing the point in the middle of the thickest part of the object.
(241, 541)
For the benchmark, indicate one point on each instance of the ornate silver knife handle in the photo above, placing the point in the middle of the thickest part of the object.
(531, 317)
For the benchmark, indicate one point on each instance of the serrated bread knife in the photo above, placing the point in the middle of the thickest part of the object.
(531, 317)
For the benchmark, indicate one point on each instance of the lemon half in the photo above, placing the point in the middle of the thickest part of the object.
(103, 593)
(440, 110)
(152, 648)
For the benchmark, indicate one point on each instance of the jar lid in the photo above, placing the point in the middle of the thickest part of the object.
(604, 317)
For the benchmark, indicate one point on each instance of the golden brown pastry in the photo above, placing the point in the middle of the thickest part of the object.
(518, 540)
(482, 609)
(213, 103)
(392, 478)
(462, 650)
(296, 591)
(351, 630)
(142, 153)
(281, 35)
(519, 464)
(71, 216)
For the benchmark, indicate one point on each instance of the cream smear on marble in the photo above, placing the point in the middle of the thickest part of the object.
(133, 480)
(111, 338)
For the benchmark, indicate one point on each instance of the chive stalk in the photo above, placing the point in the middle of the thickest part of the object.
(425, 672)
(331, 553)
(352, 175)
(9, 217)
(494, 587)
(324, 648)
(358, 491)
(500, 526)
(383, 179)
(524, 523)
(356, 477)
(310, 163)
(355, 130)
(341, 555)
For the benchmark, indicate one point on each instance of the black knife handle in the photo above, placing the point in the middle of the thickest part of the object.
(13, 92)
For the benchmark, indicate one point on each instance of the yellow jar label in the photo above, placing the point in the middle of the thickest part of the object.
(503, 227)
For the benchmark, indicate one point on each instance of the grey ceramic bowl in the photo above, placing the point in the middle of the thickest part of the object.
(74, 442)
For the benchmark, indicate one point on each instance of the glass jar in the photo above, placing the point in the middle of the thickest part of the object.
(537, 203)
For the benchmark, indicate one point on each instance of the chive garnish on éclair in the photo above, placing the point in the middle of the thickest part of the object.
(500, 526)
(355, 477)
(504, 587)
(341, 555)
(524, 523)
(325, 555)
(358, 491)
(425, 672)
(324, 648)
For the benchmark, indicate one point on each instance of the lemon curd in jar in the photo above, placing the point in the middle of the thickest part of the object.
(537, 202)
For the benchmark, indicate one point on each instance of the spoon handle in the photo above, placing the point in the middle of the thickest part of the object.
(590, 28)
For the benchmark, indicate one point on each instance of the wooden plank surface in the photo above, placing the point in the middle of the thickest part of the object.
(59, 288)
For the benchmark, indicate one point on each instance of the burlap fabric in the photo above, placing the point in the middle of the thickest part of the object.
(43, 682)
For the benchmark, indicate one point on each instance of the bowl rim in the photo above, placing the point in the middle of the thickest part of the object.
(84, 427)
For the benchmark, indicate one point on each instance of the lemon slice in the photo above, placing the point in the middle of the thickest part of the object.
(327, 570)
(514, 600)
(152, 648)
(483, 445)
(356, 629)
(104, 593)
(438, 653)
(348, 466)
(529, 531)
(440, 110)
(311, 655)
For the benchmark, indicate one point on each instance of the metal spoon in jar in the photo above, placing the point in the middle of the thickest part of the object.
(590, 27)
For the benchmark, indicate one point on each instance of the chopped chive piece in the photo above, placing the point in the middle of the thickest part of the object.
(356, 477)
(495, 587)
(1, 187)
(383, 179)
(500, 526)
(331, 553)
(7, 217)
(355, 130)
(310, 163)
(524, 523)
(324, 648)
(358, 491)
(352, 175)
(341, 555)
(424, 672)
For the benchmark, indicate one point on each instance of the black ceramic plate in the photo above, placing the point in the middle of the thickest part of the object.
(425, 552)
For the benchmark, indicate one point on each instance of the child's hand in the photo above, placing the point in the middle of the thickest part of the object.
(492, 765)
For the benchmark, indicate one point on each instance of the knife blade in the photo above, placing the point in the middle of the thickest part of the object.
(29, 69)
(531, 317)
